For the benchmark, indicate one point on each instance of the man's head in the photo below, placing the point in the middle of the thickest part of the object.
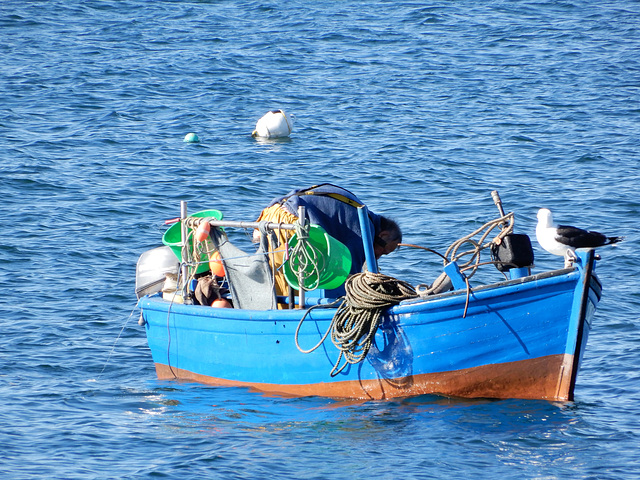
(388, 238)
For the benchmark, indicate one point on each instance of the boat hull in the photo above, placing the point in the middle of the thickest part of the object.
(517, 339)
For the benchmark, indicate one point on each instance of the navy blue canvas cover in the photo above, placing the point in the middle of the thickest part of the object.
(338, 218)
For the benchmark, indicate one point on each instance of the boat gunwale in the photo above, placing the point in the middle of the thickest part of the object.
(568, 272)
(325, 312)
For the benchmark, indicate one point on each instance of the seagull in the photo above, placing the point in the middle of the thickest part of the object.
(563, 240)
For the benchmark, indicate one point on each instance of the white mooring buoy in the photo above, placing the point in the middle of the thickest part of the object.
(273, 124)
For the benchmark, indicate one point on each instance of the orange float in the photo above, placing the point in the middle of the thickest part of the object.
(202, 232)
(215, 264)
(221, 303)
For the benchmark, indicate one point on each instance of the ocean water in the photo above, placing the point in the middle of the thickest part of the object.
(420, 109)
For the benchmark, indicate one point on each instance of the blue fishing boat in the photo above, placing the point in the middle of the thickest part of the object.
(522, 336)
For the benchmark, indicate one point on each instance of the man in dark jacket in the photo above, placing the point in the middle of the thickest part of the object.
(335, 210)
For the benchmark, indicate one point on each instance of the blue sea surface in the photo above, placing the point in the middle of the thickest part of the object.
(420, 109)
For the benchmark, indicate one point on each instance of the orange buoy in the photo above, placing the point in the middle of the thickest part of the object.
(221, 303)
(202, 232)
(215, 264)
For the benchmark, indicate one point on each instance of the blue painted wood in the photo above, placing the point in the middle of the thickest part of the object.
(519, 272)
(457, 277)
(515, 320)
(367, 239)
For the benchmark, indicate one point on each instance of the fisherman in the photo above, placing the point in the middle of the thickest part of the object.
(335, 210)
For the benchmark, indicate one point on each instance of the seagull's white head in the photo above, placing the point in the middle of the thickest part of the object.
(545, 219)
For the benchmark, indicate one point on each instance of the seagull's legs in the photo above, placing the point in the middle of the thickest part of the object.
(569, 257)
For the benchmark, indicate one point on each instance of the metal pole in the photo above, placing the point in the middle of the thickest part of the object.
(496, 199)
(268, 225)
(185, 249)
(302, 217)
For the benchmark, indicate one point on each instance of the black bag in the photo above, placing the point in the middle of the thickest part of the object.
(515, 251)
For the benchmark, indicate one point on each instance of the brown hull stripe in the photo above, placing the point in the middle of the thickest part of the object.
(546, 378)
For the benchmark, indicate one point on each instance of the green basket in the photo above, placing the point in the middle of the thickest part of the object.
(173, 238)
(331, 268)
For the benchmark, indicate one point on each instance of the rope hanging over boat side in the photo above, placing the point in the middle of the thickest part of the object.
(354, 324)
(357, 319)
(455, 254)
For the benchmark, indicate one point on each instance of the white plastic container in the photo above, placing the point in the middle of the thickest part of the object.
(152, 269)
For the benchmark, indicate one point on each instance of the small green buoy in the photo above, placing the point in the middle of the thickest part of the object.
(191, 138)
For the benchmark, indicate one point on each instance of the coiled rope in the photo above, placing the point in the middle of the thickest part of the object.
(455, 254)
(506, 227)
(305, 259)
(354, 324)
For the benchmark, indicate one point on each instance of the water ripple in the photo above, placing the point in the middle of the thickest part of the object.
(421, 110)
